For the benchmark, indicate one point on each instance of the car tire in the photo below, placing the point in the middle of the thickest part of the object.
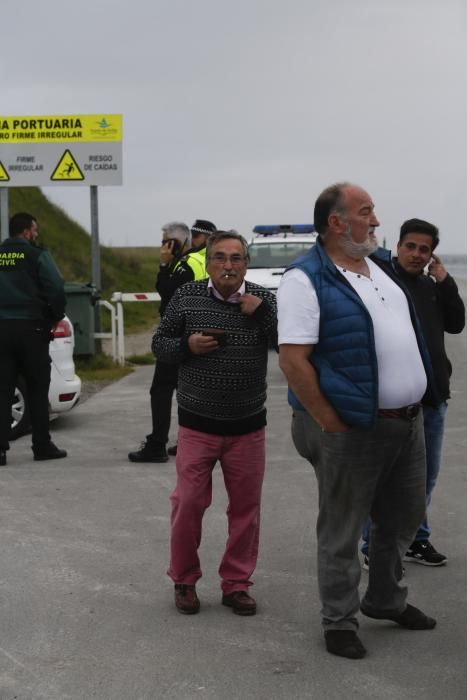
(20, 422)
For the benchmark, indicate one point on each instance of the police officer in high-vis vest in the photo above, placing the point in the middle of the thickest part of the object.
(32, 301)
(182, 259)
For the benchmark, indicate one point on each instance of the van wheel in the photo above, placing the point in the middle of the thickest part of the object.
(19, 411)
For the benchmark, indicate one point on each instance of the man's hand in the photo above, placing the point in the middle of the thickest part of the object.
(436, 269)
(166, 255)
(200, 344)
(249, 303)
(294, 361)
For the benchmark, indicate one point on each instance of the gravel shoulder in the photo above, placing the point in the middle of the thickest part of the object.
(135, 344)
(89, 388)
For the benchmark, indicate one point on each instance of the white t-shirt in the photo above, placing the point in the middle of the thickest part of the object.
(401, 374)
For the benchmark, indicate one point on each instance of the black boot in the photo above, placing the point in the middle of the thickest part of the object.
(48, 451)
(149, 452)
(2, 458)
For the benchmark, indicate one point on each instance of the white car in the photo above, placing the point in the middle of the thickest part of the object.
(65, 385)
(273, 248)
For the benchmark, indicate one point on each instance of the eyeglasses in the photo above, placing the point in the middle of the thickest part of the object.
(221, 259)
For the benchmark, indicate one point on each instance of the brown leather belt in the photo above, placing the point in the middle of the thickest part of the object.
(406, 412)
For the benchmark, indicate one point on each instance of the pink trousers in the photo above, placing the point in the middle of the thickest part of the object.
(242, 462)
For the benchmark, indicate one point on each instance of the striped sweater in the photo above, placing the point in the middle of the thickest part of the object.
(222, 392)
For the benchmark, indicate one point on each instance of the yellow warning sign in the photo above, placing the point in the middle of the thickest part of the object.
(67, 169)
(3, 173)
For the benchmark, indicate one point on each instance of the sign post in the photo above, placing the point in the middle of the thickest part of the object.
(96, 252)
(66, 150)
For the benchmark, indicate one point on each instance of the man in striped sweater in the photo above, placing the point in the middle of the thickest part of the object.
(218, 331)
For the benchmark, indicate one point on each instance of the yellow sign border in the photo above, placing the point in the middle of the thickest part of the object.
(60, 128)
(4, 177)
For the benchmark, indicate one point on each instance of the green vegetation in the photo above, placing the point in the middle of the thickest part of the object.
(100, 368)
(122, 269)
(146, 359)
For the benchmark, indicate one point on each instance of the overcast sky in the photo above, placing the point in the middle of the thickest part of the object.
(242, 112)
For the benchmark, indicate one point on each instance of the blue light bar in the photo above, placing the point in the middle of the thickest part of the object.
(268, 230)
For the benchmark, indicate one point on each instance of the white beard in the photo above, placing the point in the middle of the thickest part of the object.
(358, 251)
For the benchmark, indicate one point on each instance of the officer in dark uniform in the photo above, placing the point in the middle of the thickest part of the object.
(179, 263)
(32, 300)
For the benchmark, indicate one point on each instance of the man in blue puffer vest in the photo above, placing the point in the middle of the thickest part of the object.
(357, 367)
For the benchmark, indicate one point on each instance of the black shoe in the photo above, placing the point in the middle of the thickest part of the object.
(424, 553)
(149, 453)
(412, 618)
(172, 451)
(48, 451)
(344, 643)
(2, 458)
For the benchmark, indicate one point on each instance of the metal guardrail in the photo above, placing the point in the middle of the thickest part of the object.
(113, 328)
(117, 333)
(135, 296)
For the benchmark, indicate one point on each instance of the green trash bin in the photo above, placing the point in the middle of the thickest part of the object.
(80, 302)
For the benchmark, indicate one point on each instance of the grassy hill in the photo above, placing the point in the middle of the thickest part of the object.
(122, 269)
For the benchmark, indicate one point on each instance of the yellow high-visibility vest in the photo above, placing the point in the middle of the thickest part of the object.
(197, 261)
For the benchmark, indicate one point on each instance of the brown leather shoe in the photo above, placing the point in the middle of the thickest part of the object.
(186, 600)
(240, 602)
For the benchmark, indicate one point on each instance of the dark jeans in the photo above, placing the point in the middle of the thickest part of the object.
(24, 349)
(163, 386)
(433, 423)
(379, 472)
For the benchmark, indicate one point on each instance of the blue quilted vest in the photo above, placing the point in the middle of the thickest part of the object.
(345, 355)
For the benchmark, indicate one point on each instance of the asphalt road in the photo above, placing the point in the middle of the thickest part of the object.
(87, 609)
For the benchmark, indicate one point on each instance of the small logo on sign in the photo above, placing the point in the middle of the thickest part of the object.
(104, 124)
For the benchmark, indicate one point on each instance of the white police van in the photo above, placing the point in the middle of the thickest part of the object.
(273, 248)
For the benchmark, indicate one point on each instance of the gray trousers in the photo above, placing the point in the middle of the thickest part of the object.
(379, 473)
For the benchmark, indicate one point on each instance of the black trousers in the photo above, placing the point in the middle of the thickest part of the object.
(163, 386)
(24, 349)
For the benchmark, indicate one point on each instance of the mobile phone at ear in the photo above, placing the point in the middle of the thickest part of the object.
(176, 246)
